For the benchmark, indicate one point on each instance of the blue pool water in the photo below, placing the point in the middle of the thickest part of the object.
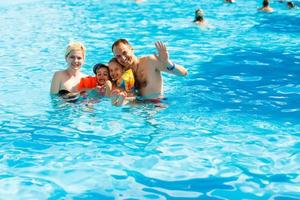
(230, 129)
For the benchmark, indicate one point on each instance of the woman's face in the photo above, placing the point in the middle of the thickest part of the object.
(115, 70)
(102, 76)
(75, 59)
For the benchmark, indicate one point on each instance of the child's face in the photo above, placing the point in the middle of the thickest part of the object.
(115, 71)
(102, 75)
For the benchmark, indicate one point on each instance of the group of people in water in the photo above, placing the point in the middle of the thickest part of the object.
(267, 8)
(199, 14)
(123, 79)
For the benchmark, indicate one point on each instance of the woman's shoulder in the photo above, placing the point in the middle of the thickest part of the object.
(60, 73)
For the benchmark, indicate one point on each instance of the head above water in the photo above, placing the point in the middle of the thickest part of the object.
(124, 53)
(199, 15)
(290, 4)
(118, 42)
(99, 66)
(75, 46)
(115, 69)
(266, 3)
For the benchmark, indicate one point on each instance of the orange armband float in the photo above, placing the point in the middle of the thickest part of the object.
(88, 82)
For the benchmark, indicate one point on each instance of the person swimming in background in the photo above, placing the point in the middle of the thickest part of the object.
(230, 1)
(101, 81)
(122, 83)
(68, 79)
(266, 7)
(199, 18)
(290, 5)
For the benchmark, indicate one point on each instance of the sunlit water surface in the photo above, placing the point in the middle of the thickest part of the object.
(230, 129)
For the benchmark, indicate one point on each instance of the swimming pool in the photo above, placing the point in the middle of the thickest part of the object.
(230, 130)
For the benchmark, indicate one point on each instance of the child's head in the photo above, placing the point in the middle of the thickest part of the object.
(102, 73)
(199, 15)
(115, 69)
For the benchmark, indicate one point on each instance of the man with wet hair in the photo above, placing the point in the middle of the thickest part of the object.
(199, 17)
(147, 69)
(266, 7)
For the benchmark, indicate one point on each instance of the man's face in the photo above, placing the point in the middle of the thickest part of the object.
(124, 54)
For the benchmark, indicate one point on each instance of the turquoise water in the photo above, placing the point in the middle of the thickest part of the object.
(230, 130)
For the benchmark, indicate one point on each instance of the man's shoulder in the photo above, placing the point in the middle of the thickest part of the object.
(148, 60)
(146, 57)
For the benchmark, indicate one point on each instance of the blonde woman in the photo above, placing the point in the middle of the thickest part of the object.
(66, 80)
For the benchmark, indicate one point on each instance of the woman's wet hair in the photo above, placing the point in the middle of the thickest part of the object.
(75, 46)
(98, 66)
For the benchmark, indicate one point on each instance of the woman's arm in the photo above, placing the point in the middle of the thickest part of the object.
(55, 84)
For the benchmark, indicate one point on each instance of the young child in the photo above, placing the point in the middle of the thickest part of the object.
(101, 81)
(122, 83)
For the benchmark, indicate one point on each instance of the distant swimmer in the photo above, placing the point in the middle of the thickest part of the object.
(199, 18)
(266, 7)
(229, 1)
(290, 5)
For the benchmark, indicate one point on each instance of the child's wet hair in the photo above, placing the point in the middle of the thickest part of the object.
(98, 66)
(75, 46)
(114, 60)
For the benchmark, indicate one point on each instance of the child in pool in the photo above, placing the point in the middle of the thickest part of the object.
(101, 81)
(122, 83)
